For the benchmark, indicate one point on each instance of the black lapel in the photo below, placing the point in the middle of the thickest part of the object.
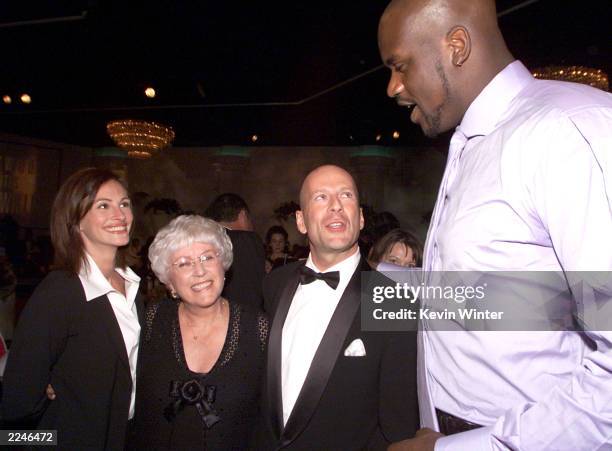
(275, 353)
(107, 316)
(325, 357)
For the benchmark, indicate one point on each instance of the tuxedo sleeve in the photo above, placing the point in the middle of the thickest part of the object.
(398, 410)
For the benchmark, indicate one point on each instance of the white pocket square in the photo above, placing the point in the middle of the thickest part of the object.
(355, 349)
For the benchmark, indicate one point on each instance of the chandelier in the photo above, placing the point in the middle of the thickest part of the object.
(578, 74)
(141, 139)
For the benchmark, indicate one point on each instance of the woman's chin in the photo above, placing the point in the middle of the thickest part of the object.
(204, 298)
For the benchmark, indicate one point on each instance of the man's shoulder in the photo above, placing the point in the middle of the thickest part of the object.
(282, 273)
(243, 236)
(548, 117)
(547, 100)
(246, 244)
(275, 281)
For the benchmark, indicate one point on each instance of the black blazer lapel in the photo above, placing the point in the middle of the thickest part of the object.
(325, 358)
(107, 316)
(275, 353)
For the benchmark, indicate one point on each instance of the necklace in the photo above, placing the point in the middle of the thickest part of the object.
(194, 332)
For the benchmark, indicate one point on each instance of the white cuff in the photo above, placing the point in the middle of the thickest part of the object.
(474, 440)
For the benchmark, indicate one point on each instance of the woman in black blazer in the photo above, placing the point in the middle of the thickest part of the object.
(78, 335)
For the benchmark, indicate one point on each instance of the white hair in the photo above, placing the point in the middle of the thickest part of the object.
(183, 231)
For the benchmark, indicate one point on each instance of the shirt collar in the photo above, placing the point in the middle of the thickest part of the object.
(346, 267)
(488, 109)
(95, 284)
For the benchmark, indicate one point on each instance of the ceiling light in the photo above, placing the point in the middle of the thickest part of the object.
(150, 92)
(141, 139)
(378, 137)
(25, 98)
(7, 99)
(254, 138)
(396, 134)
(577, 74)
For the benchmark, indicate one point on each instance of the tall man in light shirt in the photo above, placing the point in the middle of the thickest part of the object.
(527, 187)
(329, 386)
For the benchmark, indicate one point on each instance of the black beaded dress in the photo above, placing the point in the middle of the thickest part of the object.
(177, 409)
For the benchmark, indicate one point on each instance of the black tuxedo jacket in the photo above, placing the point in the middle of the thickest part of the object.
(78, 348)
(244, 278)
(346, 403)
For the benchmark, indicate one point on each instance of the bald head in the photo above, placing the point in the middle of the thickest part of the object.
(445, 12)
(456, 43)
(434, 19)
(324, 174)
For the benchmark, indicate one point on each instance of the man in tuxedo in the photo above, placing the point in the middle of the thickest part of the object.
(329, 385)
(243, 280)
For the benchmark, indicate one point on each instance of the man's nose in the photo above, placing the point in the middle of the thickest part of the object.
(335, 204)
(395, 86)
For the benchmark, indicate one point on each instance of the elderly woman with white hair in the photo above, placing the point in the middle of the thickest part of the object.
(201, 357)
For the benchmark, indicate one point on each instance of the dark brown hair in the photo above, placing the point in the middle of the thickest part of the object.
(386, 242)
(226, 208)
(280, 230)
(74, 199)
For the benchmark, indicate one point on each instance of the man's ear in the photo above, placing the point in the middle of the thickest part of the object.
(245, 220)
(460, 44)
(299, 220)
(361, 220)
(242, 215)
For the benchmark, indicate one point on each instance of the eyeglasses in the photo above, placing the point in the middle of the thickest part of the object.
(186, 265)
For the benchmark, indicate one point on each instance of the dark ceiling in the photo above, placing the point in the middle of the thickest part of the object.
(226, 70)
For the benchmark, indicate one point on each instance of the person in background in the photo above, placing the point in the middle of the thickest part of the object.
(202, 356)
(377, 225)
(244, 279)
(72, 364)
(277, 247)
(398, 247)
(268, 265)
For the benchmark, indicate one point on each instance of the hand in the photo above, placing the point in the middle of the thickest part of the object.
(425, 440)
(50, 392)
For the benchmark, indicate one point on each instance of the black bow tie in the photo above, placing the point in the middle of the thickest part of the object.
(331, 278)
